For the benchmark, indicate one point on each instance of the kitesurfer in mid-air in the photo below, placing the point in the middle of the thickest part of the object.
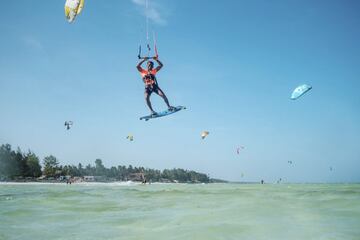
(150, 81)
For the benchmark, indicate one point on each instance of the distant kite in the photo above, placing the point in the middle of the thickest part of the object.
(239, 148)
(204, 134)
(299, 91)
(130, 137)
(68, 124)
(290, 162)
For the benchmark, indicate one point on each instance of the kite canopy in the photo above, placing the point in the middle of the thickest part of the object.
(204, 134)
(68, 124)
(239, 149)
(130, 137)
(73, 8)
(299, 91)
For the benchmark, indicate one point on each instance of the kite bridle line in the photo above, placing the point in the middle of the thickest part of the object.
(147, 27)
(155, 49)
(147, 37)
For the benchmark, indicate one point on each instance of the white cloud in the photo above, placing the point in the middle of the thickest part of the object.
(140, 2)
(33, 43)
(151, 11)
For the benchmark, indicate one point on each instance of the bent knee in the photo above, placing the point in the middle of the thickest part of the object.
(160, 93)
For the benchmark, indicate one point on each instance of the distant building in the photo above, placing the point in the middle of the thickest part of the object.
(41, 178)
(61, 178)
(137, 177)
(89, 178)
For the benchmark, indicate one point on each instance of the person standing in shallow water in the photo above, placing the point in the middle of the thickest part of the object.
(151, 84)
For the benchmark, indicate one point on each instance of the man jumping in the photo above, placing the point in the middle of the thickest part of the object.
(150, 81)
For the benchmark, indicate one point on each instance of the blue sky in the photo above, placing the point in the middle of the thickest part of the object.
(234, 65)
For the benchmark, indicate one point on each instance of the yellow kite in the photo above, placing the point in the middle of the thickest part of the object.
(73, 8)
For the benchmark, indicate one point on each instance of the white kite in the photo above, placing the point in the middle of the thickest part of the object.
(204, 134)
(299, 91)
(73, 8)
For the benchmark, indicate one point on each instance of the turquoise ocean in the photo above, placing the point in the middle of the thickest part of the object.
(179, 211)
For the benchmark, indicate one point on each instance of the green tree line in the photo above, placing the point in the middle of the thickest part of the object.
(14, 164)
(17, 164)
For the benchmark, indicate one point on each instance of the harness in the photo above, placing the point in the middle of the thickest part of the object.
(149, 81)
(149, 78)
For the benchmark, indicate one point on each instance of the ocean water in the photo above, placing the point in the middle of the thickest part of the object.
(179, 211)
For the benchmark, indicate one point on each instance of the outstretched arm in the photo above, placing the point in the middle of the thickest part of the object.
(160, 64)
(139, 68)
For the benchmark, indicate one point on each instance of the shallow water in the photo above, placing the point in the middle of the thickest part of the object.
(179, 211)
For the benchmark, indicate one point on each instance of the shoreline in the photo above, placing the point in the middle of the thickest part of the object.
(135, 183)
(123, 183)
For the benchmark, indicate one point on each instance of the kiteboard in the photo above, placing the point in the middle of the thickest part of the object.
(163, 113)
